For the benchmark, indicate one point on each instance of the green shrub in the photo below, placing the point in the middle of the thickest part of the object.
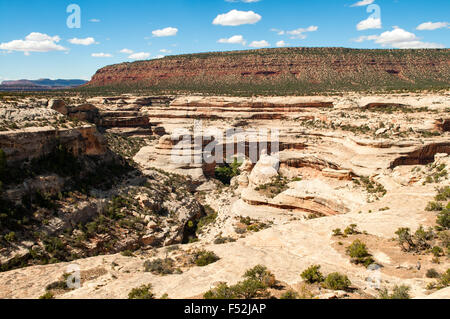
(434, 207)
(337, 232)
(290, 294)
(249, 289)
(228, 171)
(351, 230)
(143, 292)
(47, 295)
(437, 251)
(312, 274)
(223, 291)
(443, 194)
(399, 292)
(359, 253)
(203, 258)
(445, 279)
(127, 253)
(262, 274)
(255, 285)
(209, 218)
(160, 266)
(432, 273)
(337, 281)
(443, 219)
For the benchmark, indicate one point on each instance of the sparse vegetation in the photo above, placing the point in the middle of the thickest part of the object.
(256, 282)
(142, 292)
(160, 266)
(203, 258)
(313, 275)
(227, 171)
(399, 292)
(359, 254)
(337, 281)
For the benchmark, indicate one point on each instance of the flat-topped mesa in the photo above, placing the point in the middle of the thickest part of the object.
(277, 71)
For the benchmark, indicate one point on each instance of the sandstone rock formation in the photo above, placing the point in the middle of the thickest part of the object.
(375, 161)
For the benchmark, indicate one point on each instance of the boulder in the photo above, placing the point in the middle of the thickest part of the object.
(58, 106)
(265, 170)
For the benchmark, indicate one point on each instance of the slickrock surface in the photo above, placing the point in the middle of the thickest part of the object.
(375, 161)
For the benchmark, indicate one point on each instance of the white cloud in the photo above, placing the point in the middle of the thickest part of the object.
(278, 31)
(126, 51)
(101, 55)
(235, 18)
(369, 23)
(94, 20)
(139, 56)
(166, 32)
(281, 44)
(433, 25)
(399, 39)
(297, 33)
(259, 44)
(362, 3)
(34, 42)
(85, 41)
(236, 39)
(165, 51)
(300, 32)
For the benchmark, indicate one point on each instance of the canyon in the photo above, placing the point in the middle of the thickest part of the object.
(151, 192)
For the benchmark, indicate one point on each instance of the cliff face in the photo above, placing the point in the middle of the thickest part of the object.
(34, 142)
(299, 68)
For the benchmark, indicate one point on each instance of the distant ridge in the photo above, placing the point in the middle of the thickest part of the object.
(282, 71)
(39, 85)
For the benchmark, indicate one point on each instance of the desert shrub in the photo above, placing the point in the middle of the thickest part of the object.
(443, 194)
(432, 273)
(47, 295)
(417, 242)
(203, 258)
(143, 292)
(352, 230)
(223, 291)
(250, 289)
(160, 266)
(312, 274)
(337, 281)
(443, 219)
(226, 172)
(290, 294)
(127, 253)
(359, 253)
(255, 284)
(223, 240)
(437, 251)
(208, 219)
(262, 274)
(445, 279)
(337, 232)
(399, 292)
(434, 207)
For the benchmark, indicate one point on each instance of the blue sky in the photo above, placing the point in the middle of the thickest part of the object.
(36, 42)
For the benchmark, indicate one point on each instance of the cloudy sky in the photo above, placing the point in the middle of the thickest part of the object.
(50, 39)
